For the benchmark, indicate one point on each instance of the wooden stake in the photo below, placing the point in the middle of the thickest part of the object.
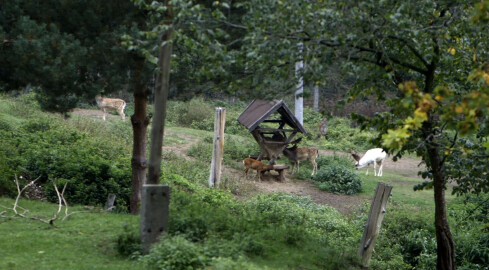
(372, 228)
(218, 150)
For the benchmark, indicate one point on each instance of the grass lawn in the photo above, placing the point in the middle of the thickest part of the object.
(82, 241)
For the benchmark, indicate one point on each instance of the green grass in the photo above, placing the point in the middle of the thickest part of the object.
(82, 241)
(402, 191)
(87, 240)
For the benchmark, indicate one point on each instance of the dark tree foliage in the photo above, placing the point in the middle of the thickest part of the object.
(69, 50)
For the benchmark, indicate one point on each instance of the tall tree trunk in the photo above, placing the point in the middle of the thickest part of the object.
(161, 96)
(444, 239)
(299, 92)
(140, 121)
(316, 98)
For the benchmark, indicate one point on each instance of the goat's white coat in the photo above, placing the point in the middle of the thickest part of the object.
(375, 156)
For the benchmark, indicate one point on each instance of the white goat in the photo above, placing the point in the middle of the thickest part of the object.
(375, 156)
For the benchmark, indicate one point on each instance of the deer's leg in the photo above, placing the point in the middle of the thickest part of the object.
(380, 168)
(104, 113)
(314, 167)
(259, 174)
(246, 172)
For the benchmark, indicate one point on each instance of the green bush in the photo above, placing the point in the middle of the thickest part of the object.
(175, 252)
(196, 113)
(341, 135)
(337, 178)
(201, 151)
(334, 160)
(49, 148)
(128, 243)
(220, 263)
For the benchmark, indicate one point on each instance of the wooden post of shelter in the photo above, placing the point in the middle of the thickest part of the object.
(154, 214)
(218, 149)
(372, 228)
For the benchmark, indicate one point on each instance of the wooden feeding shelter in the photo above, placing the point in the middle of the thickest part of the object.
(272, 140)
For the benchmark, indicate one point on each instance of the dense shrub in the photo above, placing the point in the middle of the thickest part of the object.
(48, 148)
(128, 243)
(195, 113)
(341, 135)
(175, 253)
(336, 175)
(220, 227)
(335, 160)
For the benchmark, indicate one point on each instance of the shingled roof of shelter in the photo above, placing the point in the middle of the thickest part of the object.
(259, 110)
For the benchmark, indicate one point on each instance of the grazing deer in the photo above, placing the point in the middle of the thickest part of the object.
(323, 128)
(114, 104)
(296, 155)
(375, 156)
(257, 165)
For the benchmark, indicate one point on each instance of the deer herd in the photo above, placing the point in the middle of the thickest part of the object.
(294, 154)
(297, 154)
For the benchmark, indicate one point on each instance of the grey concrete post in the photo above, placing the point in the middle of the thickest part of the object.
(154, 214)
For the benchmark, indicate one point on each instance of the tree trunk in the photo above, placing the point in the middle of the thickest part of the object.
(161, 96)
(140, 121)
(444, 239)
(299, 92)
(316, 98)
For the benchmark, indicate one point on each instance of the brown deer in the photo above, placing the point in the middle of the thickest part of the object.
(257, 165)
(114, 104)
(296, 155)
(323, 128)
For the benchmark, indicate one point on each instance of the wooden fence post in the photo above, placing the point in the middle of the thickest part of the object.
(218, 150)
(372, 228)
(154, 214)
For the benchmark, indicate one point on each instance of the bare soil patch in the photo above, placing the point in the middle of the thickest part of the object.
(86, 112)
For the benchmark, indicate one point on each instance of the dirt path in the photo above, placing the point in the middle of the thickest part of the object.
(343, 203)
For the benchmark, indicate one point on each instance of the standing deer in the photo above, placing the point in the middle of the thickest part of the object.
(296, 155)
(113, 104)
(375, 156)
(323, 128)
(257, 165)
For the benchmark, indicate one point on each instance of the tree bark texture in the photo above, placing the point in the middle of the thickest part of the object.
(444, 239)
(161, 97)
(140, 121)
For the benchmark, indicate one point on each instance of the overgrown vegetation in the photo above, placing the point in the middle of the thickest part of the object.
(336, 175)
(46, 146)
(209, 227)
